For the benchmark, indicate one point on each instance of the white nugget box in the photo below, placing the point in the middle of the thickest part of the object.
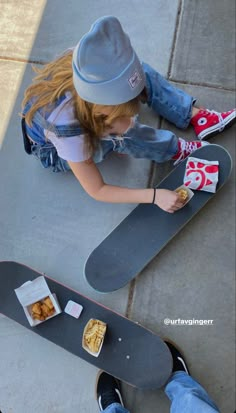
(32, 292)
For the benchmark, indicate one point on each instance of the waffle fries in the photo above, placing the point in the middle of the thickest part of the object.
(93, 336)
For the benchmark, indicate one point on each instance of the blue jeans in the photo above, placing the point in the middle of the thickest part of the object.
(185, 394)
(141, 141)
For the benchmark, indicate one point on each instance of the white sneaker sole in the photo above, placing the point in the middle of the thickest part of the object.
(98, 398)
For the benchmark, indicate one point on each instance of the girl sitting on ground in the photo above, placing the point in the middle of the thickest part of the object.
(85, 104)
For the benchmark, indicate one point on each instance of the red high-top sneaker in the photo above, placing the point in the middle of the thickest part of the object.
(208, 123)
(187, 148)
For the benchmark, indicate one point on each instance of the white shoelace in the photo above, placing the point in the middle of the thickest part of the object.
(185, 147)
(221, 120)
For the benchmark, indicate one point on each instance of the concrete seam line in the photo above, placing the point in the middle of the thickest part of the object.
(201, 84)
(130, 298)
(177, 25)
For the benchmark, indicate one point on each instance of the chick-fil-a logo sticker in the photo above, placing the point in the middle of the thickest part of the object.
(201, 174)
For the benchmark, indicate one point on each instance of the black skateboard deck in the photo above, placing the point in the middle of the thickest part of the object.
(130, 352)
(147, 229)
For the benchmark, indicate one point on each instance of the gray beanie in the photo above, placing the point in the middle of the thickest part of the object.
(106, 69)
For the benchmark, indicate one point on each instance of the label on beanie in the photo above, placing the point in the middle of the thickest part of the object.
(135, 79)
(201, 175)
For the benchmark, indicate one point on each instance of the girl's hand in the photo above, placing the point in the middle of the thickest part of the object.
(167, 200)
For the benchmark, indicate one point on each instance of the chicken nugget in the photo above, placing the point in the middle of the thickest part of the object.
(183, 194)
(51, 312)
(49, 303)
(36, 308)
(45, 310)
(38, 317)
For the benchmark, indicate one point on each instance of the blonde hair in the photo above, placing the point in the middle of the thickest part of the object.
(53, 81)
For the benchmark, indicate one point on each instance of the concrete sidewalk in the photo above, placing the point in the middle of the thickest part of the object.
(48, 222)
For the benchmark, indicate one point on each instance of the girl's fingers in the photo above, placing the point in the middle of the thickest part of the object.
(175, 208)
(179, 205)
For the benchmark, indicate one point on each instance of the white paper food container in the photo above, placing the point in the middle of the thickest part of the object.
(84, 344)
(190, 194)
(33, 291)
